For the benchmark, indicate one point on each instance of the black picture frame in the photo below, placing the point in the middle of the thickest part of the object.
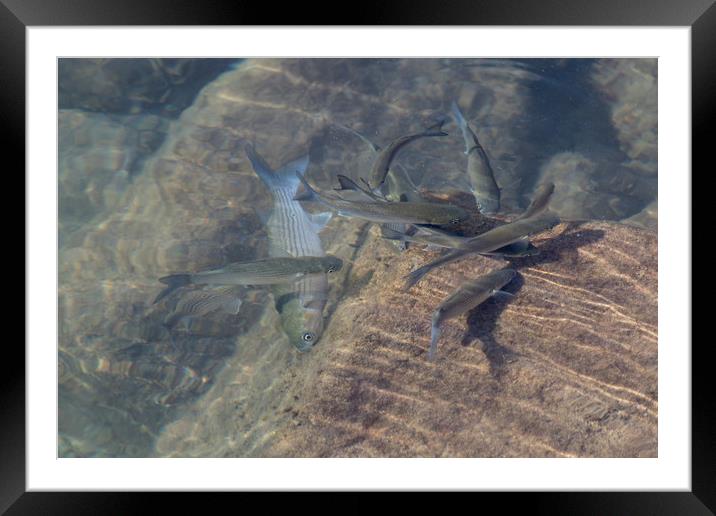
(17, 15)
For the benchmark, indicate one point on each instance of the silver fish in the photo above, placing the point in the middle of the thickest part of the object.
(539, 203)
(479, 170)
(400, 188)
(268, 271)
(294, 232)
(397, 212)
(468, 296)
(385, 157)
(427, 236)
(487, 242)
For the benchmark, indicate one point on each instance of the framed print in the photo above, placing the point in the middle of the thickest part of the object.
(369, 257)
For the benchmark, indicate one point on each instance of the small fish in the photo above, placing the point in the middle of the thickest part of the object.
(350, 185)
(468, 296)
(519, 249)
(539, 202)
(397, 212)
(385, 157)
(400, 186)
(488, 242)
(479, 170)
(269, 271)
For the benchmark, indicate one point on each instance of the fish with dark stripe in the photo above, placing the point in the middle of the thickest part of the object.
(489, 241)
(479, 170)
(294, 232)
(268, 271)
(468, 296)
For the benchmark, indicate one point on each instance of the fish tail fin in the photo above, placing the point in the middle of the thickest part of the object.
(459, 119)
(464, 128)
(308, 193)
(174, 281)
(434, 336)
(280, 178)
(436, 129)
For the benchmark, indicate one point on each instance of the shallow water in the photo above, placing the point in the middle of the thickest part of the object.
(153, 180)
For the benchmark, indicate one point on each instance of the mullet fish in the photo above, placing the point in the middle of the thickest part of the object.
(388, 212)
(294, 232)
(519, 249)
(489, 241)
(540, 201)
(385, 157)
(468, 296)
(269, 271)
(479, 170)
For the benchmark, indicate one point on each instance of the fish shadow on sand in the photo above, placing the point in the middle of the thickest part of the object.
(481, 320)
(481, 323)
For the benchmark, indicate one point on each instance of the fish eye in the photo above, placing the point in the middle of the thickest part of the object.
(308, 337)
(331, 269)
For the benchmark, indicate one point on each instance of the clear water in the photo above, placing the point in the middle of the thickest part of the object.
(153, 180)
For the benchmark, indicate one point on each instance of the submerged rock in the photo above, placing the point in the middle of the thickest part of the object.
(567, 368)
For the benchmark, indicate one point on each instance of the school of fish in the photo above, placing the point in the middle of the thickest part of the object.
(296, 269)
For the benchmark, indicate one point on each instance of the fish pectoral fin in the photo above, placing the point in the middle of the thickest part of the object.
(231, 306)
(501, 294)
(319, 220)
(313, 304)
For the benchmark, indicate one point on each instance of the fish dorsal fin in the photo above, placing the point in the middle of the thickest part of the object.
(319, 220)
(348, 184)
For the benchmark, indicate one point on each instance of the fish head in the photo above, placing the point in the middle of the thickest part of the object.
(456, 215)
(303, 326)
(302, 316)
(332, 264)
